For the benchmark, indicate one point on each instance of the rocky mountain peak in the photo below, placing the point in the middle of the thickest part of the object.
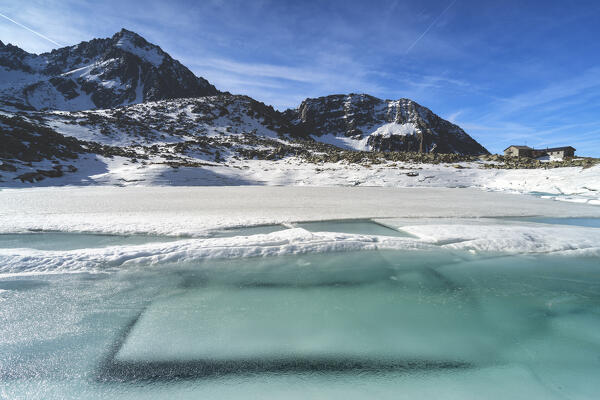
(100, 73)
(133, 43)
(383, 125)
(13, 57)
(131, 34)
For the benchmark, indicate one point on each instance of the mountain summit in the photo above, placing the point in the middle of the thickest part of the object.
(101, 73)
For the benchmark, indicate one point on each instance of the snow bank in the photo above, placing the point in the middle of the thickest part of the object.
(481, 238)
(574, 183)
(343, 142)
(290, 241)
(431, 215)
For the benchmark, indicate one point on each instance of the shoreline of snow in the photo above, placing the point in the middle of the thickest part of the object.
(571, 184)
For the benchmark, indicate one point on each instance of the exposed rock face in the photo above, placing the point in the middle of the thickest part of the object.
(101, 73)
(26, 141)
(381, 125)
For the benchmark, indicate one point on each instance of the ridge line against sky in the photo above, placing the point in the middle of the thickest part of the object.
(507, 73)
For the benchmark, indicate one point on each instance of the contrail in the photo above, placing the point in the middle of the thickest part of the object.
(30, 30)
(429, 27)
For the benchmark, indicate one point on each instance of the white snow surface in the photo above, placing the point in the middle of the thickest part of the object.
(343, 142)
(572, 184)
(517, 238)
(394, 129)
(46, 95)
(289, 241)
(150, 54)
(196, 211)
(360, 143)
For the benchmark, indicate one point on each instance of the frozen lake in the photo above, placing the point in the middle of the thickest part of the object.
(437, 323)
(224, 293)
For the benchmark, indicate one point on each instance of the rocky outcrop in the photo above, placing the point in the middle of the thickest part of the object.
(26, 141)
(381, 125)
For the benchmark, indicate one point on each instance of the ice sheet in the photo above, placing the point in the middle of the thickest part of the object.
(535, 238)
(198, 210)
(324, 322)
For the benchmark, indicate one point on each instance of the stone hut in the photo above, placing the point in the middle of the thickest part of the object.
(518, 151)
(526, 151)
(560, 152)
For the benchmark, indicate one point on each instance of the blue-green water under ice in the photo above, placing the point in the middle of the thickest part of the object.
(357, 226)
(586, 222)
(362, 227)
(357, 325)
(72, 241)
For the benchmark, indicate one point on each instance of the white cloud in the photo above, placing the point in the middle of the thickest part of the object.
(452, 117)
(299, 74)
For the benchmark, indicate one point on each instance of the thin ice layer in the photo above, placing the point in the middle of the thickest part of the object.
(368, 322)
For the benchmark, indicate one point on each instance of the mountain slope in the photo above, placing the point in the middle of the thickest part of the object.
(167, 121)
(101, 73)
(364, 122)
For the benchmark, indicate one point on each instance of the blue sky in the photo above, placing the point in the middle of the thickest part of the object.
(508, 72)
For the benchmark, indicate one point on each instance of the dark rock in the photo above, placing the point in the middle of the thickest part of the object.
(7, 167)
(23, 140)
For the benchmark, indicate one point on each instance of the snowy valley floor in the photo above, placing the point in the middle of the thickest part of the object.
(572, 184)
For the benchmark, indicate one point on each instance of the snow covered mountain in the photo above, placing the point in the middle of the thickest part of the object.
(101, 73)
(122, 103)
(363, 122)
(125, 69)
